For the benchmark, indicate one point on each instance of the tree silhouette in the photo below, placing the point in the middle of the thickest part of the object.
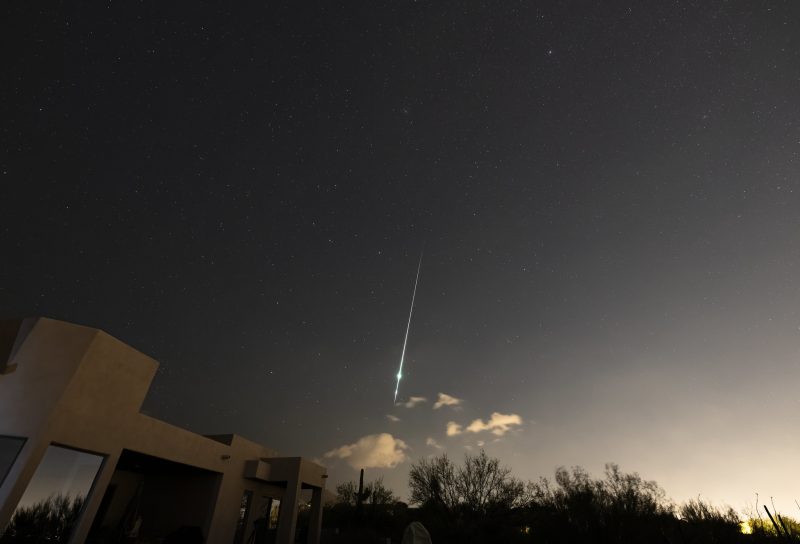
(433, 482)
(479, 485)
(477, 501)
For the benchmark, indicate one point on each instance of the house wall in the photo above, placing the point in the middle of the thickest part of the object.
(82, 388)
(45, 364)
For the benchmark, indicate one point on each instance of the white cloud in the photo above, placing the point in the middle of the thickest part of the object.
(413, 401)
(498, 424)
(453, 428)
(481, 443)
(433, 443)
(372, 451)
(446, 400)
(393, 419)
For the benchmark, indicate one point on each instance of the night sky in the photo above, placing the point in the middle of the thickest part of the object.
(606, 194)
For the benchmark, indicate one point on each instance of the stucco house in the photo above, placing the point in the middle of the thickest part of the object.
(71, 425)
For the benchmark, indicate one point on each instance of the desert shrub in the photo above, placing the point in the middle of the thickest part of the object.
(621, 507)
(702, 522)
(377, 516)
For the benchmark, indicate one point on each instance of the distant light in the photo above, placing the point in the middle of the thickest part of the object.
(746, 528)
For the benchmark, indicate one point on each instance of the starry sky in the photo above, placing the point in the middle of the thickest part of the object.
(606, 194)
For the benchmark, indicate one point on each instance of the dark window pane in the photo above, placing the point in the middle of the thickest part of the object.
(10, 447)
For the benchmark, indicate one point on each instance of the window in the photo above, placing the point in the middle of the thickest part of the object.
(10, 446)
(274, 512)
(244, 510)
(54, 498)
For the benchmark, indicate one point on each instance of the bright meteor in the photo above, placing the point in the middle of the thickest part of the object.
(408, 327)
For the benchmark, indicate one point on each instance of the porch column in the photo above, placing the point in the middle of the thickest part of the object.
(315, 517)
(287, 518)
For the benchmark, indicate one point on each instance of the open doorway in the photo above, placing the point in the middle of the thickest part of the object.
(264, 524)
(150, 499)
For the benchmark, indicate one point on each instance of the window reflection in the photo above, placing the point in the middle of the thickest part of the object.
(54, 498)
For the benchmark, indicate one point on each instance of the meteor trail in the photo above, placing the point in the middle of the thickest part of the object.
(408, 327)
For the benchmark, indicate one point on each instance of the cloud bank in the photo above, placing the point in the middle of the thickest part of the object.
(413, 401)
(433, 443)
(372, 451)
(453, 428)
(498, 424)
(446, 400)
